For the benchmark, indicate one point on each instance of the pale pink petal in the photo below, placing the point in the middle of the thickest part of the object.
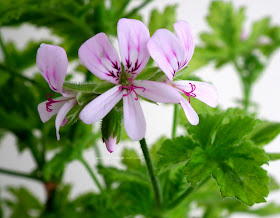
(134, 120)
(99, 57)
(46, 112)
(167, 51)
(203, 91)
(52, 62)
(111, 143)
(190, 112)
(183, 32)
(101, 106)
(133, 36)
(60, 117)
(157, 92)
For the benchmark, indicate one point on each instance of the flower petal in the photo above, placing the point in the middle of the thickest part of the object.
(205, 92)
(184, 34)
(52, 63)
(111, 143)
(101, 106)
(59, 120)
(157, 92)
(133, 36)
(134, 120)
(167, 51)
(190, 112)
(45, 114)
(99, 57)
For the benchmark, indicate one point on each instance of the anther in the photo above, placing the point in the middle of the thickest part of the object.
(131, 88)
(189, 94)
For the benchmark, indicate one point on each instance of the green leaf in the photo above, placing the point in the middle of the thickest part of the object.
(264, 133)
(166, 19)
(174, 152)
(131, 159)
(234, 162)
(25, 204)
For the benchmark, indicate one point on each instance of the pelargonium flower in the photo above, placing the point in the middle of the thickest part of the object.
(172, 53)
(100, 58)
(52, 63)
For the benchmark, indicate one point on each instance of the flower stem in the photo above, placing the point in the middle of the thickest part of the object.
(91, 174)
(151, 172)
(175, 121)
(20, 174)
(186, 193)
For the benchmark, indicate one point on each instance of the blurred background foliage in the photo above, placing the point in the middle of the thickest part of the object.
(186, 176)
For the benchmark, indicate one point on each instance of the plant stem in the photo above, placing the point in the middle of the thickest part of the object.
(6, 69)
(151, 172)
(19, 174)
(135, 10)
(175, 121)
(246, 95)
(91, 174)
(186, 193)
(246, 86)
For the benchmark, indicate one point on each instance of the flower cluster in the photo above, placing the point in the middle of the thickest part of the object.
(171, 53)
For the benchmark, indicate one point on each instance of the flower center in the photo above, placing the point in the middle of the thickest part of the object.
(189, 94)
(131, 88)
(50, 102)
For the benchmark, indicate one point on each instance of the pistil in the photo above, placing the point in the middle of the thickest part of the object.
(131, 88)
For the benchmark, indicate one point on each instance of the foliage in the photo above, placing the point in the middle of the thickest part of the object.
(217, 165)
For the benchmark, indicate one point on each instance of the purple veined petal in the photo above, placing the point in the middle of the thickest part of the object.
(47, 110)
(203, 91)
(167, 51)
(133, 36)
(184, 34)
(60, 117)
(99, 57)
(52, 62)
(189, 112)
(157, 92)
(134, 120)
(111, 143)
(101, 106)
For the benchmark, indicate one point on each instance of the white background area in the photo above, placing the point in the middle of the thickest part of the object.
(159, 118)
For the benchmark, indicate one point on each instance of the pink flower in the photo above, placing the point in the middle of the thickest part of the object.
(172, 53)
(99, 57)
(52, 63)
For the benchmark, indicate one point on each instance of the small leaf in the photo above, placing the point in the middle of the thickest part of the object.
(174, 152)
(264, 133)
(166, 19)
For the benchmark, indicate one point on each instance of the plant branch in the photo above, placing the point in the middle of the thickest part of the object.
(19, 174)
(86, 165)
(135, 10)
(151, 172)
(175, 121)
(186, 193)
(6, 69)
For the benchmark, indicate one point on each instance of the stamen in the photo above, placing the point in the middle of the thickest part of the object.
(189, 94)
(131, 88)
(50, 102)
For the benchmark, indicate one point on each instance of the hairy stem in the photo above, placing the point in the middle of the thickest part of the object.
(19, 174)
(185, 194)
(150, 167)
(86, 165)
(175, 121)
(135, 10)
(6, 69)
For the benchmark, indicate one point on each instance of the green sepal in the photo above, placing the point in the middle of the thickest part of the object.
(112, 124)
(88, 87)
